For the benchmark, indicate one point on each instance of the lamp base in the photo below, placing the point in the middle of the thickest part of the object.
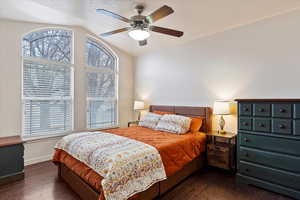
(221, 125)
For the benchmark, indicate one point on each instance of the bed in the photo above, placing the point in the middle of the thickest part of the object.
(87, 183)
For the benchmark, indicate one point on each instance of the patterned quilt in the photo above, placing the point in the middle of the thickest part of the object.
(126, 165)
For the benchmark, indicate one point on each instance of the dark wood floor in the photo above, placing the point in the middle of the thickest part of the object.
(41, 183)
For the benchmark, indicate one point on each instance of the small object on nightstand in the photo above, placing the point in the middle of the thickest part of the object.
(221, 150)
(12, 161)
(222, 108)
(133, 123)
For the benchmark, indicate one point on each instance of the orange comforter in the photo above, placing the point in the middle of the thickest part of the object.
(175, 150)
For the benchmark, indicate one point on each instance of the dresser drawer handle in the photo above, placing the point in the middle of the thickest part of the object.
(261, 125)
(246, 140)
(281, 110)
(247, 170)
(261, 110)
(245, 123)
(246, 109)
(281, 126)
(247, 155)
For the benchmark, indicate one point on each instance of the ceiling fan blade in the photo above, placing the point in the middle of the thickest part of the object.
(114, 15)
(159, 13)
(167, 31)
(143, 42)
(114, 32)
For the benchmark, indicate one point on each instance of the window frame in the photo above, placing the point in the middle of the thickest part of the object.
(88, 69)
(71, 65)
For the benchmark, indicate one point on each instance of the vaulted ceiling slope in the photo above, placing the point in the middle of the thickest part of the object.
(197, 18)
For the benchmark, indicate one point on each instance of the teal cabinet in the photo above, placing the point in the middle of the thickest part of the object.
(268, 147)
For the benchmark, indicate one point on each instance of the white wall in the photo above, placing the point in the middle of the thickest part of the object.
(11, 33)
(260, 60)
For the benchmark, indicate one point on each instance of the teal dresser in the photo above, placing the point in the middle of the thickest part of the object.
(268, 150)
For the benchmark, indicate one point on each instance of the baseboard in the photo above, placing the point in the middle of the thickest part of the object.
(38, 159)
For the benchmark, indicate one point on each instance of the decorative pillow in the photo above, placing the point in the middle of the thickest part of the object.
(163, 112)
(196, 124)
(150, 120)
(174, 124)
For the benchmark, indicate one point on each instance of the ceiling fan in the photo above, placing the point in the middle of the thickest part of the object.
(140, 25)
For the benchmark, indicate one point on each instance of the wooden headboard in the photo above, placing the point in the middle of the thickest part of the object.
(203, 112)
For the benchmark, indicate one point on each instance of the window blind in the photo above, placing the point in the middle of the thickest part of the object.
(101, 86)
(47, 83)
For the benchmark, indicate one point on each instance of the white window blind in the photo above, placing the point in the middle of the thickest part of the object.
(101, 86)
(47, 82)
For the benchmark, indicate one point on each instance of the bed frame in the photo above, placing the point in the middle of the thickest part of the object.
(86, 192)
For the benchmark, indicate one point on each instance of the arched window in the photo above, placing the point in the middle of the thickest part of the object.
(102, 76)
(47, 90)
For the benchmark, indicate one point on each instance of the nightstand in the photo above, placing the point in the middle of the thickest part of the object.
(221, 150)
(133, 123)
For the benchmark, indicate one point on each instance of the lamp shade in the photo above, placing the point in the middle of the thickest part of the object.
(222, 108)
(138, 105)
(139, 34)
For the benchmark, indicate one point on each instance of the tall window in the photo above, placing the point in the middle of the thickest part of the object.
(101, 86)
(47, 82)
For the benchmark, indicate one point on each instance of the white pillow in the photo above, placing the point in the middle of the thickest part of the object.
(150, 120)
(174, 124)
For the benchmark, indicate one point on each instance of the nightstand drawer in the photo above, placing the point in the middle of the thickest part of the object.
(218, 156)
(288, 179)
(245, 109)
(261, 124)
(261, 110)
(245, 123)
(276, 160)
(282, 110)
(282, 126)
(280, 145)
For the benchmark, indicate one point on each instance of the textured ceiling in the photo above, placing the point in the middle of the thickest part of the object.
(197, 18)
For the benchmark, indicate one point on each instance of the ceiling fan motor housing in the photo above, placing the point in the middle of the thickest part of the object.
(139, 21)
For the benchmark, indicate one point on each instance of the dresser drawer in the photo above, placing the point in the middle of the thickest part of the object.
(296, 111)
(271, 175)
(276, 160)
(245, 123)
(282, 110)
(282, 126)
(296, 127)
(281, 145)
(245, 109)
(262, 110)
(261, 124)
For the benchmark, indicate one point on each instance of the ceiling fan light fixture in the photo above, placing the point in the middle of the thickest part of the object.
(138, 34)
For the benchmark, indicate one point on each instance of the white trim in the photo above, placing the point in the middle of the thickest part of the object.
(116, 75)
(38, 159)
(36, 137)
(70, 65)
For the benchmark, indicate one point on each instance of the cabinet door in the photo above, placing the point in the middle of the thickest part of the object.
(282, 110)
(262, 110)
(13, 157)
(245, 109)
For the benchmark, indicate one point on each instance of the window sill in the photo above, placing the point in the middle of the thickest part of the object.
(29, 139)
(101, 129)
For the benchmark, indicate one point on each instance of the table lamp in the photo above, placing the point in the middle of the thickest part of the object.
(138, 106)
(221, 108)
